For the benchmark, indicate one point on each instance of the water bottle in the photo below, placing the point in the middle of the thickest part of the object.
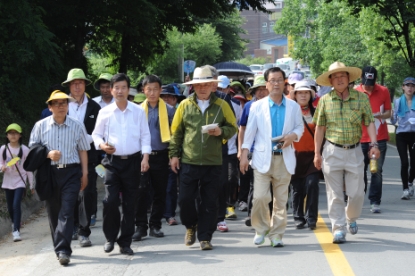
(373, 164)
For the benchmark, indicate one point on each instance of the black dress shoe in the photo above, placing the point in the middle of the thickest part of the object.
(126, 250)
(312, 226)
(300, 224)
(156, 232)
(63, 258)
(140, 233)
(108, 246)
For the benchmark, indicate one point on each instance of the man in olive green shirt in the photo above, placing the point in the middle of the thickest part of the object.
(338, 118)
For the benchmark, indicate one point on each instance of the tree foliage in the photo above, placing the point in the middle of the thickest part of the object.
(30, 63)
(325, 32)
(400, 16)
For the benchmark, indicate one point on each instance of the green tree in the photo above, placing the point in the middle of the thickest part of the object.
(30, 63)
(400, 14)
(132, 33)
(203, 47)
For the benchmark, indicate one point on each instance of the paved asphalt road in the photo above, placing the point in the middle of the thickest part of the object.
(383, 246)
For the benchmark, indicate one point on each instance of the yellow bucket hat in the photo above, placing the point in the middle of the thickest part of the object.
(15, 127)
(59, 95)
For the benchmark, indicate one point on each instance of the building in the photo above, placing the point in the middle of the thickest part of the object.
(264, 42)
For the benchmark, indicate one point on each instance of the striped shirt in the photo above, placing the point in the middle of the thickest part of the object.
(68, 138)
(343, 119)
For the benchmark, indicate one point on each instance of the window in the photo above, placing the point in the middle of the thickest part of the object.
(264, 28)
(278, 5)
(271, 27)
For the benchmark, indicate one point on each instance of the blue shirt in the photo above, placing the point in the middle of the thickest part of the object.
(154, 126)
(245, 113)
(277, 117)
(403, 122)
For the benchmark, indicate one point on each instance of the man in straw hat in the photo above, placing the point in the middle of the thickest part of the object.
(200, 125)
(67, 142)
(338, 118)
(122, 133)
(85, 111)
(274, 123)
(102, 84)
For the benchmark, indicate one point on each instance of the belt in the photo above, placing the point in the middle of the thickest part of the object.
(345, 146)
(127, 156)
(155, 152)
(64, 166)
(277, 153)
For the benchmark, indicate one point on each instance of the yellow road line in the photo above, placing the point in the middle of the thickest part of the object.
(334, 255)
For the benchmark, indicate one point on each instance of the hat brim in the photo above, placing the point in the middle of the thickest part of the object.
(201, 81)
(69, 98)
(66, 83)
(97, 84)
(256, 86)
(354, 74)
(313, 93)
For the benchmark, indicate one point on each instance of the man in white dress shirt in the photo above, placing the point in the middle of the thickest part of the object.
(272, 161)
(122, 133)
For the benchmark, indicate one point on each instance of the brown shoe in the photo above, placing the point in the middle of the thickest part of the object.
(206, 245)
(190, 237)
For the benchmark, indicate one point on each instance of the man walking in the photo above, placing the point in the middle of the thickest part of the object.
(67, 143)
(122, 133)
(102, 84)
(338, 118)
(380, 103)
(273, 160)
(200, 125)
(85, 111)
(160, 116)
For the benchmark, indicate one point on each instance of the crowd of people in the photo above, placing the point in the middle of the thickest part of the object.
(207, 146)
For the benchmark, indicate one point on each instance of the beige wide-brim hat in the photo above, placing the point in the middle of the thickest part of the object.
(202, 75)
(59, 95)
(354, 73)
(76, 74)
(258, 82)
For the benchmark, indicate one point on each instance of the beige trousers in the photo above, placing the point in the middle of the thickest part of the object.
(343, 168)
(260, 217)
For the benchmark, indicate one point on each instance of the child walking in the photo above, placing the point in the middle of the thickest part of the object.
(15, 177)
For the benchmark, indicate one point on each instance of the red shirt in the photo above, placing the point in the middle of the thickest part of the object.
(379, 96)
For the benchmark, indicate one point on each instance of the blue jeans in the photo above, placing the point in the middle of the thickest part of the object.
(375, 190)
(14, 201)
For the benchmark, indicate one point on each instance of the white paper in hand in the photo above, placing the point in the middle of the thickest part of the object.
(206, 128)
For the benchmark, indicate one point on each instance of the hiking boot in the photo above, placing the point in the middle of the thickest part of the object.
(140, 233)
(206, 245)
(190, 237)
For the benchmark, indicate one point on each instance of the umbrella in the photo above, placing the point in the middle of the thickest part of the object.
(233, 70)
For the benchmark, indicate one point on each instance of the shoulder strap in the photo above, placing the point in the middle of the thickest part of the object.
(16, 164)
(308, 127)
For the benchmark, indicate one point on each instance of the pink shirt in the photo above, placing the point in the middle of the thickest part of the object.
(11, 178)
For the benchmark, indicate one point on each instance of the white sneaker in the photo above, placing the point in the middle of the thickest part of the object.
(411, 190)
(405, 194)
(276, 243)
(16, 236)
(259, 239)
(243, 206)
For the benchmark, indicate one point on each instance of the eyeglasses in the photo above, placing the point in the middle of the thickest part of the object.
(57, 104)
(276, 81)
